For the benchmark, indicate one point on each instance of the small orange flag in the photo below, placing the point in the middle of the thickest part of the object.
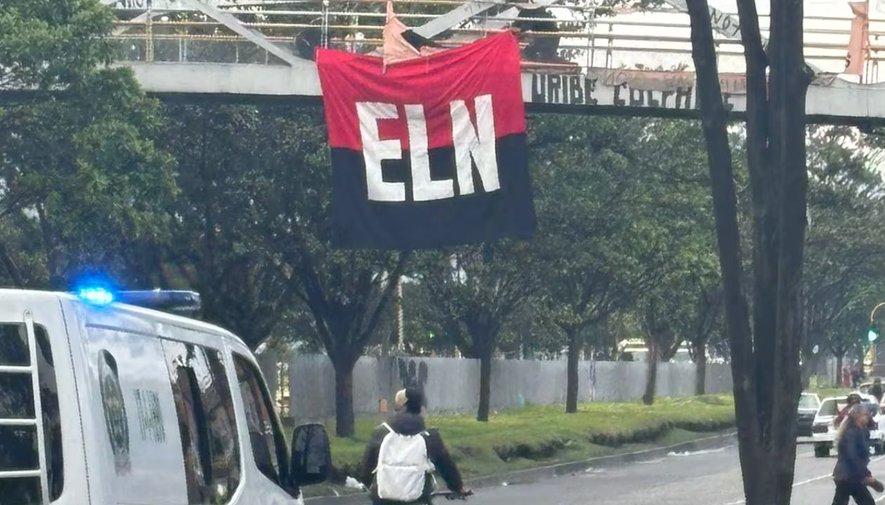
(859, 43)
(396, 47)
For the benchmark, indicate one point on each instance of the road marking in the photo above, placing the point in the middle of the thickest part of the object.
(650, 462)
(698, 453)
(814, 479)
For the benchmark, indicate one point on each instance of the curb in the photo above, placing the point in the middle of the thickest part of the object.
(557, 470)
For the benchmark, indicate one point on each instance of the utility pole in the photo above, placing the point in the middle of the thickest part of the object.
(873, 333)
(398, 307)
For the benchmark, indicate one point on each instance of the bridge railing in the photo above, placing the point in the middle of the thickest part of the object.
(585, 38)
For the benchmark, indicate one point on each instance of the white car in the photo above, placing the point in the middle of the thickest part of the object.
(824, 430)
(809, 403)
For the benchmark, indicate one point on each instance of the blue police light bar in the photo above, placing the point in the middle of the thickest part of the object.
(171, 300)
(95, 295)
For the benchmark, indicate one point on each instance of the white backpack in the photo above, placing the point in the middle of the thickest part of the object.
(403, 465)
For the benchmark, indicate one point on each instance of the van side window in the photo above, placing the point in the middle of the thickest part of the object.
(18, 444)
(208, 428)
(268, 444)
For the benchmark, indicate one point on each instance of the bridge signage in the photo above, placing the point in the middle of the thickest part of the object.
(628, 89)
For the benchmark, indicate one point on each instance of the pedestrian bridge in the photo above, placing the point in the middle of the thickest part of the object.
(606, 62)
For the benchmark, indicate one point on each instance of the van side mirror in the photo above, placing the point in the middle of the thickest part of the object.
(311, 461)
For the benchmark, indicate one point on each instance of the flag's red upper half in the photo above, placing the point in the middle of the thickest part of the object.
(488, 66)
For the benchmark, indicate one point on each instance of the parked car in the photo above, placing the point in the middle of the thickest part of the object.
(809, 403)
(135, 405)
(824, 430)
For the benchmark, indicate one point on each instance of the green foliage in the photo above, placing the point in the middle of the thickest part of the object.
(254, 234)
(475, 290)
(591, 245)
(80, 170)
(684, 303)
(845, 255)
(52, 44)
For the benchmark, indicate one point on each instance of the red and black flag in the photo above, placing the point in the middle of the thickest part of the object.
(428, 152)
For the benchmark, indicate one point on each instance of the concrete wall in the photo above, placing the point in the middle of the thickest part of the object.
(452, 385)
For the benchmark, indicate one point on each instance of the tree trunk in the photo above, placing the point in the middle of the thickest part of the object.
(839, 365)
(651, 378)
(571, 388)
(765, 360)
(700, 372)
(714, 122)
(485, 385)
(788, 82)
(344, 418)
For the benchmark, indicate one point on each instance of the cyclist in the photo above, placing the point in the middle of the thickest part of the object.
(403, 453)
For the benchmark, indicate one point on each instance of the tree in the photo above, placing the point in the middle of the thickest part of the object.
(674, 172)
(254, 235)
(347, 292)
(232, 161)
(765, 354)
(477, 289)
(845, 193)
(704, 325)
(658, 322)
(681, 306)
(81, 172)
(589, 242)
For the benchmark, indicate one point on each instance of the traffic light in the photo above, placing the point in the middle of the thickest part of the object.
(873, 333)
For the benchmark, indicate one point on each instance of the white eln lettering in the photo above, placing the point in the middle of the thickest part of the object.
(375, 150)
(481, 148)
(423, 187)
(472, 145)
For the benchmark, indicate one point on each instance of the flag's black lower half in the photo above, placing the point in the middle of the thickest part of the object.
(475, 217)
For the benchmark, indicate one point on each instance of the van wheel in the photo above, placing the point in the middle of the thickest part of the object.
(879, 448)
(821, 451)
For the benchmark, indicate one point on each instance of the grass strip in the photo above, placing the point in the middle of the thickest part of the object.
(544, 435)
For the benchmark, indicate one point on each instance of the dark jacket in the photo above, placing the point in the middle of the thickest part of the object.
(411, 424)
(854, 455)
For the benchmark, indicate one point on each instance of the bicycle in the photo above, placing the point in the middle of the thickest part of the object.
(451, 495)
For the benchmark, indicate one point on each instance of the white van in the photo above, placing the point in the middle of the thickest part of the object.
(138, 407)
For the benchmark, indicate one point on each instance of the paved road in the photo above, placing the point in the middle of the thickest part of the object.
(709, 477)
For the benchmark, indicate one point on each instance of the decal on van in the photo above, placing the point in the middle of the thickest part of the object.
(114, 412)
(150, 417)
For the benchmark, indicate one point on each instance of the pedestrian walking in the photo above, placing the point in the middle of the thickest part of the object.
(876, 389)
(852, 400)
(851, 474)
(403, 453)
